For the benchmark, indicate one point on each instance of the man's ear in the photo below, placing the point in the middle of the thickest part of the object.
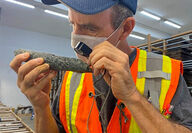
(127, 28)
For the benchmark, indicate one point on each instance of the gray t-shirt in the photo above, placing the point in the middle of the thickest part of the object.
(182, 101)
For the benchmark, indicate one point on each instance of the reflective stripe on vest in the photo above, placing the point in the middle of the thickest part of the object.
(140, 84)
(75, 103)
(72, 93)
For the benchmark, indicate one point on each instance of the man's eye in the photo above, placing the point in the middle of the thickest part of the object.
(93, 30)
(90, 29)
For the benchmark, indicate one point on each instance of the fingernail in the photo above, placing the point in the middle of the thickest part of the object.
(39, 60)
(53, 72)
(90, 67)
(25, 54)
(47, 65)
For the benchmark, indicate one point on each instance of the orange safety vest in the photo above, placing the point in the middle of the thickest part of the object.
(75, 103)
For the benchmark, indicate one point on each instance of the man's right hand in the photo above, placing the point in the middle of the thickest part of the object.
(34, 79)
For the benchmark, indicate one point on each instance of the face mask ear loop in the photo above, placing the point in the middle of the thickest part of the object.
(114, 33)
(118, 43)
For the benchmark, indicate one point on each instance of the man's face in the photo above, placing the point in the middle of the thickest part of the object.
(98, 25)
(93, 25)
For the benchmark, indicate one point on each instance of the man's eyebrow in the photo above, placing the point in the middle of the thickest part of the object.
(88, 26)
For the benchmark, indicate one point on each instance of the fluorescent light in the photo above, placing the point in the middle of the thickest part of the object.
(137, 37)
(150, 15)
(56, 14)
(172, 24)
(20, 3)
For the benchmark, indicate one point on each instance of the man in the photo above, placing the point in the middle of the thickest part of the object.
(139, 90)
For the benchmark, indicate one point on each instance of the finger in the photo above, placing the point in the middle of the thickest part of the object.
(96, 49)
(42, 75)
(103, 63)
(30, 78)
(27, 67)
(105, 43)
(99, 68)
(108, 50)
(104, 53)
(17, 61)
(107, 78)
(47, 89)
(45, 83)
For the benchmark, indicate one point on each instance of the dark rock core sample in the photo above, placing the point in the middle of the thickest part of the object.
(58, 63)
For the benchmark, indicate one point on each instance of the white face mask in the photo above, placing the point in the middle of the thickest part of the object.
(90, 41)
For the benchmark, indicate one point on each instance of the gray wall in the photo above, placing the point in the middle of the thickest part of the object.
(12, 38)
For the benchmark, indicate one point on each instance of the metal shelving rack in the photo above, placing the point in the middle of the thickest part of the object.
(190, 89)
(11, 123)
(177, 42)
(187, 64)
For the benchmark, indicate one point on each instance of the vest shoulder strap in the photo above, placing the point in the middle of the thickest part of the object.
(157, 78)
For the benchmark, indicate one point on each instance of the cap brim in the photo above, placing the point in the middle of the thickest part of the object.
(85, 6)
(50, 2)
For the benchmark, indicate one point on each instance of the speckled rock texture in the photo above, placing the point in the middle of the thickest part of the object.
(58, 63)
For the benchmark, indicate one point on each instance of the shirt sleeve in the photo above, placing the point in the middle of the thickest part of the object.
(55, 110)
(182, 101)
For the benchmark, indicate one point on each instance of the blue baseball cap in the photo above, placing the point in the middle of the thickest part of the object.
(94, 6)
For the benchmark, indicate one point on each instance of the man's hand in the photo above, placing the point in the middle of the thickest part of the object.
(34, 79)
(116, 62)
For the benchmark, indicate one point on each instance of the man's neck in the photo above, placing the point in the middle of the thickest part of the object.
(124, 46)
